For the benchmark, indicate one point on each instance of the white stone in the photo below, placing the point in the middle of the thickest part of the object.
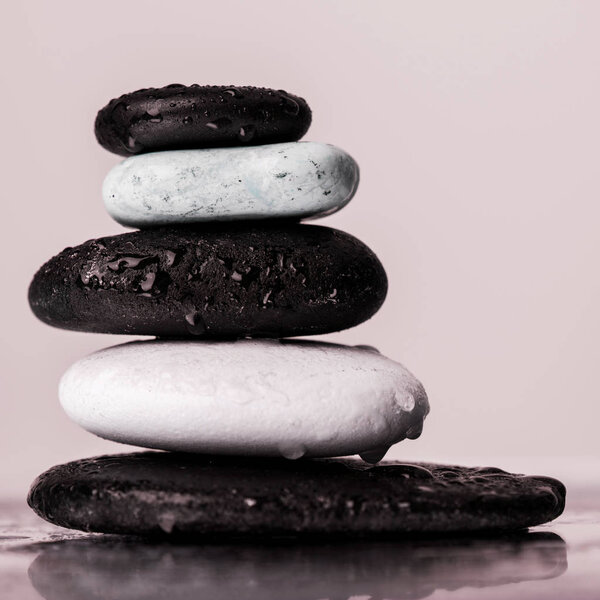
(246, 397)
(293, 180)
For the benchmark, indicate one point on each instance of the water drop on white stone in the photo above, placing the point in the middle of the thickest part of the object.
(368, 348)
(374, 455)
(292, 451)
(405, 400)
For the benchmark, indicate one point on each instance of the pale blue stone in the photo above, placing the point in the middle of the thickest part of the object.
(292, 180)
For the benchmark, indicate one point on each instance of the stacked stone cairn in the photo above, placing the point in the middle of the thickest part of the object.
(221, 273)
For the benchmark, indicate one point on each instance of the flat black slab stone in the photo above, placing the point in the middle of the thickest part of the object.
(228, 281)
(166, 494)
(179, 116)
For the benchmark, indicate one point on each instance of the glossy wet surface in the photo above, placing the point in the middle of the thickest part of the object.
(557, 561)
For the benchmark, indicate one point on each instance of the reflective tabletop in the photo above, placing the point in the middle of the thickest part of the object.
(560, 560)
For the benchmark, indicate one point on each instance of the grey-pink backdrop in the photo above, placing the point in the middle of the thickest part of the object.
(476, 126)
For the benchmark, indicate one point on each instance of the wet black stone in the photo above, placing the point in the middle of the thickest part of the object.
(209, 282)
(168, 494)
(179, 116)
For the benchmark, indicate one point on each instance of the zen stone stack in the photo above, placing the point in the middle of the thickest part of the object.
(222, 273)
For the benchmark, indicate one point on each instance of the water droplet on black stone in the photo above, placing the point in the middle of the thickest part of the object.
(171, 256)
(233, 92)
(195, 323)
(132, 144)
(290, 106)
(153, 115)
(125, 262)
(148, 281)
(246, 133)
(219, 123)
(153, 118)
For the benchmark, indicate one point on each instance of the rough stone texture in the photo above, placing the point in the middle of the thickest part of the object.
(200, 496)
(234, 281)
(247, 397)
(179, 116)
(294, 180)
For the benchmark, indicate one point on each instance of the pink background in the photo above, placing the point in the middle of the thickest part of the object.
(476, 126)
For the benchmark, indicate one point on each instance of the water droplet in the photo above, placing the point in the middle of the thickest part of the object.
(153, 115)
(132, 143)
(250, 502)
(425, 488)
(246, 133)
(368, 348)
(92, 271)
(413, 471)
(233, 92)
(290, 106)
(166, 521)
(219, 123)
(412, 433)
(195, 323)
(292, 451)
(148, 281)
(374, 455)
(171, 256)
(187, 120)
(405, 401)
(125, 262)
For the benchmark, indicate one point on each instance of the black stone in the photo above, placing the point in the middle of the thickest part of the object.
(166, 494)
(226, 281)
(179, 116)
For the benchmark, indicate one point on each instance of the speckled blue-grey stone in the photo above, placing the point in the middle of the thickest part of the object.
(293, 180)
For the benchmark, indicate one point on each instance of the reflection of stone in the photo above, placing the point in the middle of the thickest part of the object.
(118, 569)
